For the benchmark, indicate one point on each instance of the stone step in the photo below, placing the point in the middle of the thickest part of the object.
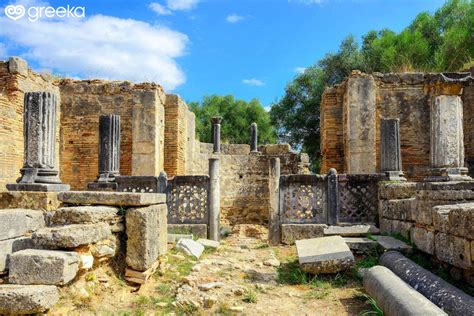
(27, 299)
(17, 222)
(351, 231)
(85, 215)
(324, 255)
(71, 236)
(47, 267)
(390, 243)
(112, 198)
(9, 246)
(361, 244)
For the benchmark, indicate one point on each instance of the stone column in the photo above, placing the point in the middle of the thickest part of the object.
(216, 132)
(214, 199)
(162, 182)
(39, 132)
(254, 138)
(332, 196)
(274, 229)
(109, 153)
(447, 144)
(390, 153)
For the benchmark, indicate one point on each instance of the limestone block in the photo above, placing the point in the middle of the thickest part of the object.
(324, 255)
(48, 267)
(17, 222)
(390, 243)
(84, 215)
(30, 200)
(209, 243)
(146, 235)
(112, 198)
(393, 191)
(172, 238)
(401, 227)
(292, 232)
(422, 213)
(17, 65)
(9, 246)
(351, 231)
(461, 220)
(71, 236)
(441, 219)
(276, 149)
(360, 244)
(398, 209)
(453, 250)
(27, 299)
(190, 247)
(423, 239)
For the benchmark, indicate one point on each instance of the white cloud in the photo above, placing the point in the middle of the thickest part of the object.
(253, 82)
(234, 18)
(101, 46)
(160, 9)
(177, 5)
(299, 70)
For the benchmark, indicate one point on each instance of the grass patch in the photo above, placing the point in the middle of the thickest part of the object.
(250, 296)
(374, 308)
(262, 245)
(290, 273)
(367, 262)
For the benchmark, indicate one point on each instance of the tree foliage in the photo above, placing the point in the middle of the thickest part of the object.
(443, 41)
(237, 116)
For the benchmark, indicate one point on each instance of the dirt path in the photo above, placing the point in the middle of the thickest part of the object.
(251, 279)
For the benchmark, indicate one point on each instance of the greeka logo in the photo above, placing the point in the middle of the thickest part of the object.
(16, 12)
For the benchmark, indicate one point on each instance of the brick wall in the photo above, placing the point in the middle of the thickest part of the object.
(14, 83)
(82, 104)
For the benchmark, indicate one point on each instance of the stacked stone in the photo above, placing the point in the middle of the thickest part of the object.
(437, 217)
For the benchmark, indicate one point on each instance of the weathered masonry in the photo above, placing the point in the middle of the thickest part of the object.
(351, 115)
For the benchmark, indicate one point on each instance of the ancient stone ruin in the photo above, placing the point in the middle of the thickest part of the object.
(139, 189)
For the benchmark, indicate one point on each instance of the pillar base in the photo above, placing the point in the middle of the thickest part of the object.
(448, 174)
(39, 187)
(395, 176)
(38, 175)
(102, 186)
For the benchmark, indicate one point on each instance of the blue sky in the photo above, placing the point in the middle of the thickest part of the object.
(248, 48)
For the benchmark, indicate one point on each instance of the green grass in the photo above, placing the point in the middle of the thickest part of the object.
(290, 273)
(250, 296)
(374, 308)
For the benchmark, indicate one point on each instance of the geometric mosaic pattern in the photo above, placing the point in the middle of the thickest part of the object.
(358, 201)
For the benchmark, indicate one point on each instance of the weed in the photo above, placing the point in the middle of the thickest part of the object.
(250, 296)
(374, 308)
(263, 245)
(319, 289)
(90, 277)
(367, 262)
(290, 273)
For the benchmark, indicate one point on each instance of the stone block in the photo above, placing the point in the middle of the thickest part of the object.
(351, 231)
(198, 230)
(361, 244)
(146, 229)
(84, 215)
(48, 267)
(175, 237)
(398, 209)
(292, 232)
(112, 198)
(423, 239)
(17, 222)
(390, 243)
(277, 149)
(27, 299)
(71, 236)
(18, 66)
(209, 243)
(441, 219)
(422, 213)
(394, 191)
(190, 247)
(453, 250)
(9, 246)
(461, 220)
(47, 201)
(401, 227)
(324, 255)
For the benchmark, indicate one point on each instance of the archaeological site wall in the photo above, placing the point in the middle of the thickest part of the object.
(351, 114)
(141, 107)
(244, 178)
(15, 80)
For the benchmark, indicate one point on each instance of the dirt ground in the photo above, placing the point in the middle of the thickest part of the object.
(253, 279)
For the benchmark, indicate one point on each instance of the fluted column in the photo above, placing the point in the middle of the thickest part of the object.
(39, 132)
(109, 153)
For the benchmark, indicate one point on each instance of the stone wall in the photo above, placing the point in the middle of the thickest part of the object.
(142, 127)
(436, 217)
(16, 79)
(404, 96)
(244, 178)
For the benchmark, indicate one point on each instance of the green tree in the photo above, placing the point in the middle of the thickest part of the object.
(237, 116)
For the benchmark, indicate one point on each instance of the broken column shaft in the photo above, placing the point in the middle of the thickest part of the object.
(214, 199)
(254, 138)
(390, 153)
(216, 133)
